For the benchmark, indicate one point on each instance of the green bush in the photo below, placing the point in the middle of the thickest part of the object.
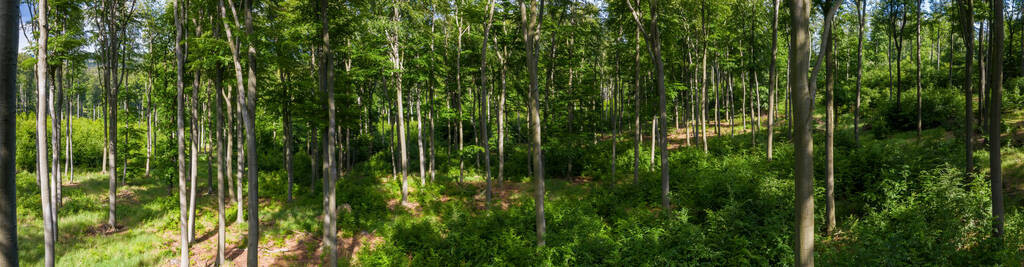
(945, 220)
(87, 138)
(939, 107)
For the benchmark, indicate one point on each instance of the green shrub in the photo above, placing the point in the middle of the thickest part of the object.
(939, 107)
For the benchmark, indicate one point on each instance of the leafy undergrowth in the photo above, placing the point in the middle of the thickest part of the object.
(901, 201)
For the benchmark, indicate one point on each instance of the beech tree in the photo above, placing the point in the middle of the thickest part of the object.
(799, 46)
(9, 16)
(532, 17)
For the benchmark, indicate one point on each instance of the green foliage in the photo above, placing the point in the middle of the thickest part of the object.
(943, 220)
(939, 107)
(87, 138)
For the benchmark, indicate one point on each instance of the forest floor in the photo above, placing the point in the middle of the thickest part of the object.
(147, 231)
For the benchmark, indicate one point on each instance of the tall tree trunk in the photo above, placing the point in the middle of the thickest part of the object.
(396, 60)
(180, 134)
(773, 78)
(636, 109)
(531, 25)
(860, 70)
(704, 79)
(995, 114)
(484, 104)
(42, 171)
(654, 130)
(419, 141)
(239, 80)
(250, 131)
(715, 75)
(501, 120)
(289, 152)
(918, 68)
(241, 152)
(458, 91)
(112, 122)
(9, 19)
(799, 45)
(982, 79)
(194, 148)
(327, 86)
(222, 169)
(830, 129)
(615, 117)
(659, 69)
(966, 9)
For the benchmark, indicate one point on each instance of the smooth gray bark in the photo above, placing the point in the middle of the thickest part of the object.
(531, 20)
(183, 260)
(799, 45)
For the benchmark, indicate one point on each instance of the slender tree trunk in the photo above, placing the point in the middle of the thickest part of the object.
(193, 153)
(860, 70)
(659, 69)
(615, 116)
(419, 141)
(484, 104)
(918, 68)
(458, 93)
(42, 171)
(112, 121)
(240, 80)
(704, 78)
(501, 120)
(730, 103)
(531, 25)
(327, 86)
(250, 130)
(995, 121)
(715, 75)
(636, 109)
(289, 152)
(241, 159)
(222, 169)
(180, 134)
(9, 19)
(982, 78)
(799, 45)
(773, 78)
(966, 7)
(654, 137)
(830, 129)
(396, 60)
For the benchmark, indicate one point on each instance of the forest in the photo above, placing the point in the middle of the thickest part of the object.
(511, 132)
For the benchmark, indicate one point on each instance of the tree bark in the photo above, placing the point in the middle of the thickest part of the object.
(659, 69)
(830, 129)
(501, 119)
(966, 10)
(860, 70)
(250, 130)
(222, 169)
(799, 45)
(180, 134)
(704, 79)
(239, 80)
(636, 109)
(289, 152)
(330, 182)
(484, 104)
(531, 22)
(773, 79)
(995, 113)
(918, 68)
(396, 60)
(10, 14)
